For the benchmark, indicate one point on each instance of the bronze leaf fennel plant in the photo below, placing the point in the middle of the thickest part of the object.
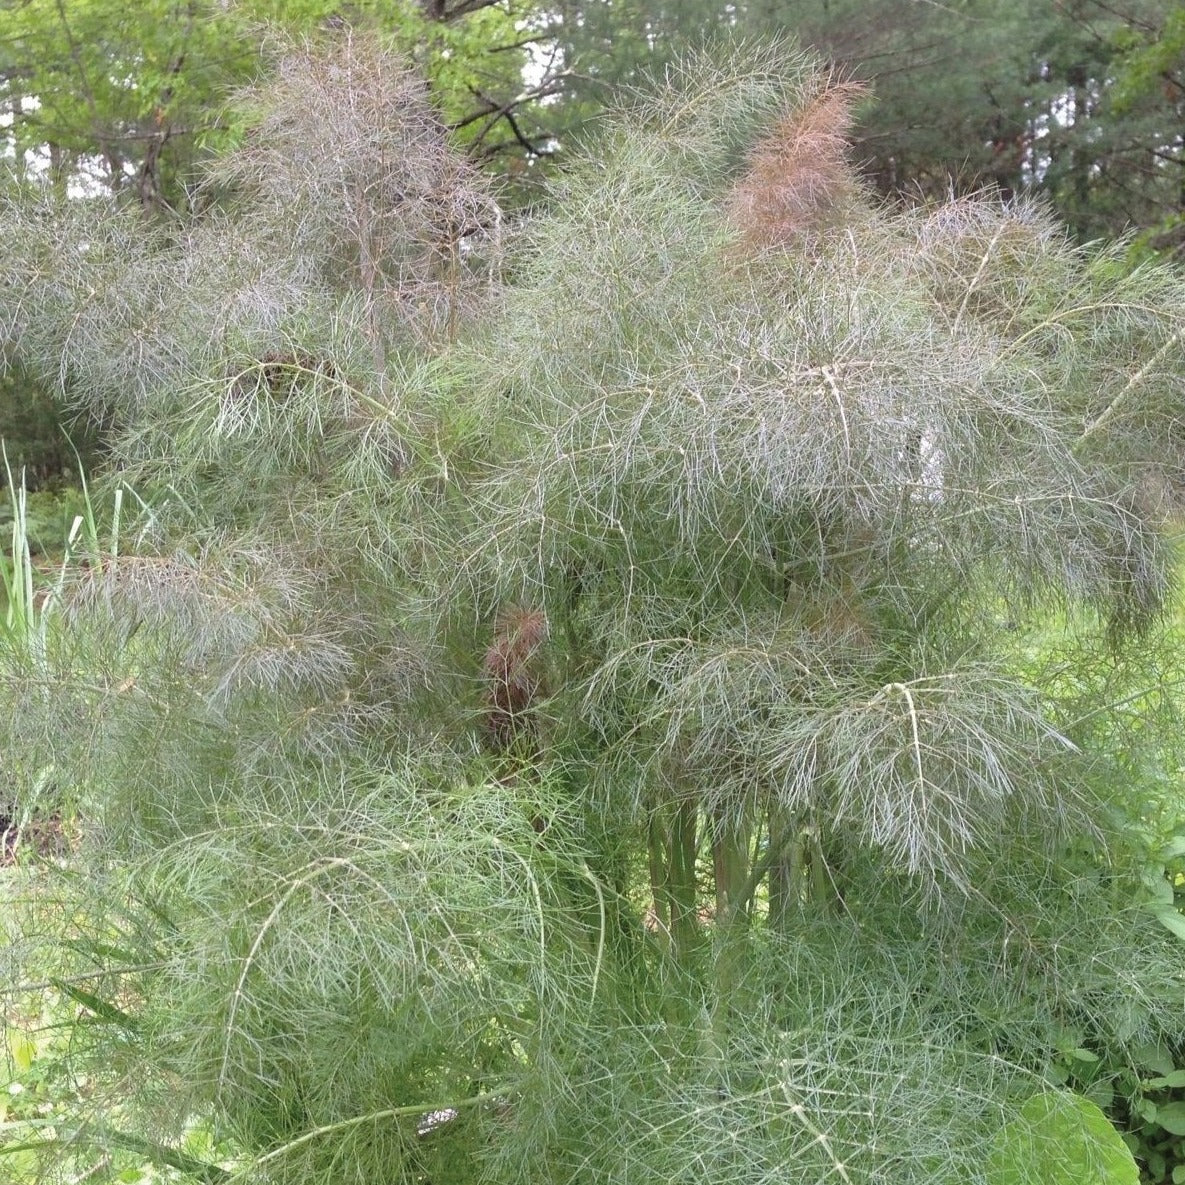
(808, 826)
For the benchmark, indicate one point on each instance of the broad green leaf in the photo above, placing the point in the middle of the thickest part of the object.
(103, 1009)
(22, 1048)
(1176, 1078)
(1146, 1109)
(1060, 1139)
(1151, 1056)
(1159, 887)
(1171, 918)
(1171, 1116)
(1174, 849)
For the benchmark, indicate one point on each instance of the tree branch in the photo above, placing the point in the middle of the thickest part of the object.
(106, 147)
(493, 111)
(463, 8)
(439, 10)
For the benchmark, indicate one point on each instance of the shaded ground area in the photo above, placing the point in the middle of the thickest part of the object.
(45, 837)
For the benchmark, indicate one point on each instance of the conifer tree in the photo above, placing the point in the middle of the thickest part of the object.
(575, 705)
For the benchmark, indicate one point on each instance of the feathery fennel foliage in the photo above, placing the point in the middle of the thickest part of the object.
(801, 865)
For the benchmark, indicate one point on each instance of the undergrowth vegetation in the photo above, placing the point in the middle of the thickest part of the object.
(677, 688)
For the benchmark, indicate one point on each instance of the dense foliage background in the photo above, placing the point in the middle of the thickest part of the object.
(1080, 103)
(667, 677)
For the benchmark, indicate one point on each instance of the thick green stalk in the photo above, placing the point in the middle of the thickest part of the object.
(730, 857)
(784, 867)
(681, 880)
(730, 852)
(821, 887)
(656, 851)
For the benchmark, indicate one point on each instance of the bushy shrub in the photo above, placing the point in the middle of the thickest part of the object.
(781, 847)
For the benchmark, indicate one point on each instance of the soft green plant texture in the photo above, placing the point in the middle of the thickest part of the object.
(1061, 1140)
(815, 857)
